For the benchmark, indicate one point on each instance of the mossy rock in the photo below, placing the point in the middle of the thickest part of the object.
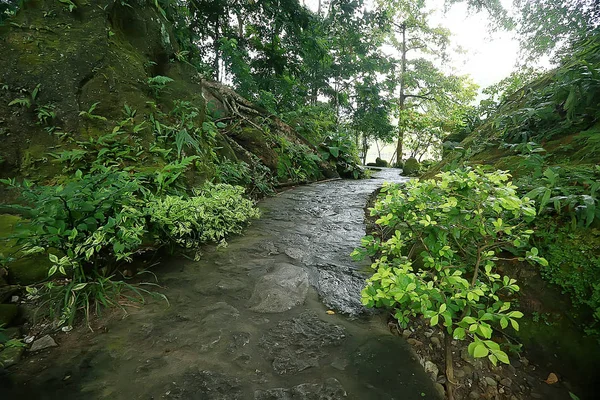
(412, 167)
(8, 312)
(380, 163)
(29, 270)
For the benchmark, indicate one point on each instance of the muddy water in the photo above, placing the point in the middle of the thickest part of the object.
(247, 322)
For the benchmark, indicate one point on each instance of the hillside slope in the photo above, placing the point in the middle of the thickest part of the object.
(547, 135)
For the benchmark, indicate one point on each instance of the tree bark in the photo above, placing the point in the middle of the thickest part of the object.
(402, 97)
(449, 366)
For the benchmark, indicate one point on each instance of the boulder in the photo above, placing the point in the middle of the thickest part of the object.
(43, 343)
(412, 167)
(280, 290)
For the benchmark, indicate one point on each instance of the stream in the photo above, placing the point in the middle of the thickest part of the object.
(249, 321)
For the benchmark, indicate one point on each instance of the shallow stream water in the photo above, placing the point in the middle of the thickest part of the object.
(248, 321)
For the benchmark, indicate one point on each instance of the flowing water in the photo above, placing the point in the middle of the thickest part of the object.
(248, 321)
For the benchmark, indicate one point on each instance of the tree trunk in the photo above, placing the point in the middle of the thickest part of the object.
(216, 45)
(449, 366)
(401, 99)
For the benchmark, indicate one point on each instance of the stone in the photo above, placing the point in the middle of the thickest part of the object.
(459, 373)
(329, 390)
(474, 395)
(8, 312)
(43, 343)
(468, 369)
(490, 381)
(205, 385)
(339, 288)
(431, 369)
(414, 342)
(524, 361)
(436, 342)
(10, 356)
(406, 333)
(280, 290)
(300, 343)
(411, 167)
(441, 390)
(506, 382)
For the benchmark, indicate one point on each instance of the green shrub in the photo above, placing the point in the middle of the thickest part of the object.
(440, 261)
(210, 215)
(94, 223)
(339, 149)
(297, 162)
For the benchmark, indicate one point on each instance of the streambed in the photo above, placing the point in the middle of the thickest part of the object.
(248, 321)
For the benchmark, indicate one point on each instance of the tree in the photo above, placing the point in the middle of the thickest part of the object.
(420, 83)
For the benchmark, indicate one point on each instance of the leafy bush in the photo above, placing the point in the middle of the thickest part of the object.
(297, 162)
(94, 223)
(257, 179)
(214, 212)
(440, 261)
(341, 150)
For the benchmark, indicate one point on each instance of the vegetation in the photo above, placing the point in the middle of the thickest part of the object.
(141, 146)
(445, 238)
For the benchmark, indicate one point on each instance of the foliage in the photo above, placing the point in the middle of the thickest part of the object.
(256, 178)
(97, 221)
(158, 83)
(558, 103)
(440, 261)
(209, 215)
(297, 162)
(573, 265)
(341, 150)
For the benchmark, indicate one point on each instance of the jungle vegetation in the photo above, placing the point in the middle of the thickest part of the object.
(312, 90)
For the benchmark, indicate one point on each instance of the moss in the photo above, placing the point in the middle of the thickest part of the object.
(411, 167)
(8, 312)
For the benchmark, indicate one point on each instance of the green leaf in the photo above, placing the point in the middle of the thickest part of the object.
(502, 356)
(459, 334)
(434, 320)
(480, 350)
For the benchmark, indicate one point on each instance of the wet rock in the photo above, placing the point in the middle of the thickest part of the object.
(506, 382)
(217, 313)
(431, 369)
(490, 381)
(436, 342)
(440, 390)
(205, 385)
(10, 356)
(280, 290)
(339, 288)
(330, 390)
(295, 253)
(414, 342)
(299, 343)
(238, 341)
(42, 343)
(474, 395)
(340, 364)
(459, 373)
